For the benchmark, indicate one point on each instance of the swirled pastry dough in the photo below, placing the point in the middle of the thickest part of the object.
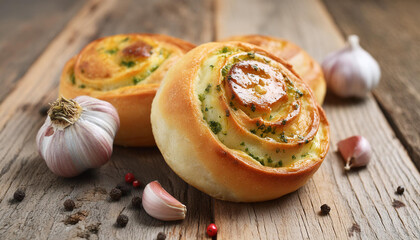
(126, 71)
(238, 123)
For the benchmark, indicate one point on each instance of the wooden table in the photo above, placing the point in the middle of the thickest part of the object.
(38, 37)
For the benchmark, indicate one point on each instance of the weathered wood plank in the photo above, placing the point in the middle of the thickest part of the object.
(25, 31)
(393, 26)
(359, 199)
(41, 215)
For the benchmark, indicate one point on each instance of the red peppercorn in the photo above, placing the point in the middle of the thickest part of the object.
(136, 183)
(129, 177)
(212, 230)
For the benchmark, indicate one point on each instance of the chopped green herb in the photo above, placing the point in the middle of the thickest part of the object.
(225, 70)
(206, 109)
(258, 123)
(218, 87)
(255, 67)
(284, 122)
(253, 107)
(267, 130)
(73, 78)
(215, 127)
(225, 50)
(293, 157)
(125, 39)
(283, 138)
(298, 93)
(154, 68)
(271, 117)
(287, 80)
(111, 51)
(253, 131)
(277, 150)
(267, 60)
(279, 164)
(242, 144)
(306, 140)
(128, 64)
(274, 130)
(136, 80)
(212, 66)
(82, 86)
(233, 106)
(201, 97)
(207, 90)
(295, 106)
(251, 55)
(227, 113)
(269, 160)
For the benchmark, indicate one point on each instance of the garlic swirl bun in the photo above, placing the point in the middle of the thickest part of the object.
(307, 68)
(124, 70)
(238, 123)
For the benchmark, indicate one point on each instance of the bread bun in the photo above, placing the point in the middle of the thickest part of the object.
(124, 70)
(238, 123)
(308, 69)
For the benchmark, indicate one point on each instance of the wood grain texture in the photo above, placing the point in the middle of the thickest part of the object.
(40, 215)
(360, 200)
(390, 30)
(25, 31)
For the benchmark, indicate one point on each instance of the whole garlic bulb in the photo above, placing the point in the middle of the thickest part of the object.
(351, 71)
(77, 135)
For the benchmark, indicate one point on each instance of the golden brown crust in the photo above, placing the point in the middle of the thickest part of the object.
(309, 70)
(133, 102)
(196, 154)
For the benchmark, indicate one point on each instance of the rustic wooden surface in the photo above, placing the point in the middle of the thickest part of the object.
(361, 201)
(397, 47)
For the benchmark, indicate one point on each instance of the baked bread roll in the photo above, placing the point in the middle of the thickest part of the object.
(124, 70)
(238, 123)
(308, 69)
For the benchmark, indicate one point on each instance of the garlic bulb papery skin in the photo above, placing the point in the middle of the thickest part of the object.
(77, 135)
(356, 151)
(351, 71)
(159, 204)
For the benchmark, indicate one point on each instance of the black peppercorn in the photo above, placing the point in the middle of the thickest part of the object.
(124, 187)
(400, 190)
(161, 236)
(19, 195)
(136, 202)
(69, 205)
(115, 194)
(122, 220)
(325, 209)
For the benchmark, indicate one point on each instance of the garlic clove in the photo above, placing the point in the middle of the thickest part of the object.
(159, 204)
(351, 71)
(356, 151)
